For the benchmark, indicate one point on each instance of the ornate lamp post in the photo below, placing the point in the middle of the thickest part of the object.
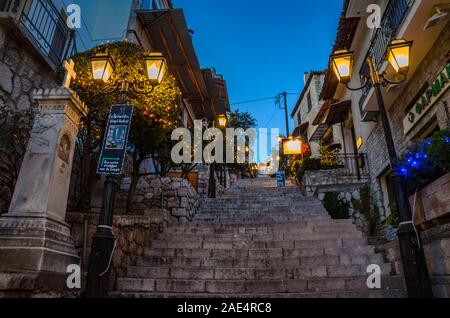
(413, 257)
(103, 241)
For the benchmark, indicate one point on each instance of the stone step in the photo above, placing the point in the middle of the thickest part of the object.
(270, 262)
(298, 239)
(256, 219)
(288, 236)
(316, 285)
(216, 253)
(383, 293)
(275, 225)
(294, 243)
(247, 273)
(255, 212)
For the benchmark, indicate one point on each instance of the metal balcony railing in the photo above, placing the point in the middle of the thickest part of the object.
(393, 17)
(351, 168)
(46, 27)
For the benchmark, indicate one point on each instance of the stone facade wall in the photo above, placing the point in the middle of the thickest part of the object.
(437, 252)
(20, 72)
(375, 146)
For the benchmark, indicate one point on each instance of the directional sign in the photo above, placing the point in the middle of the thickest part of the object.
(281, 179)
(115, 141)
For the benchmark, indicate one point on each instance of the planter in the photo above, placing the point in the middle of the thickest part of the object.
(432, 204)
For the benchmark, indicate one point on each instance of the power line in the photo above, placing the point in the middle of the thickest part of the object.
(273, 117)
(253, 101)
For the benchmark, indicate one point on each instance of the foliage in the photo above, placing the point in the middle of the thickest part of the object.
(155, 114)
(328, 157)
(295, 163)
(394, 218)
(15, 127)
(366, 207)
(439, 150)
(337, 208)
(239, 119)
(426, 161)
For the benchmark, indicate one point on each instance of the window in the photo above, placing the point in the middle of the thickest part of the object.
(299, 117)
(309, 101)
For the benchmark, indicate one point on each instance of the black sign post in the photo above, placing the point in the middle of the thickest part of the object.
(111, 161)
(115, 142)
(281, 179)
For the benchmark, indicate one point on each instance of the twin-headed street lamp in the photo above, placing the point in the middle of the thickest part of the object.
(103, 241)
(414, 264)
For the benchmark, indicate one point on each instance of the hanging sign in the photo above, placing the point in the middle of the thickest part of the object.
(281, 179)
(292, 147)
(114, 147)
(438, 87)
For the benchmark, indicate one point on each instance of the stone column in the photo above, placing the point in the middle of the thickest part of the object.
(33, 234)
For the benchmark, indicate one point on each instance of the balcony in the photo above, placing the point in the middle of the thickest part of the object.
(42, 25)
(350, 173)
(394, 15)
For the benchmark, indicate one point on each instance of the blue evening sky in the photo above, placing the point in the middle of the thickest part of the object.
(263, 47)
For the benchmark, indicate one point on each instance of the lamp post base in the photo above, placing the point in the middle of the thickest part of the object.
(103, 243)
(416, 275)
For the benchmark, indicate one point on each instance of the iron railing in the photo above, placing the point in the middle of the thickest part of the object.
(351, 168)
(46, 26)
(393, 17)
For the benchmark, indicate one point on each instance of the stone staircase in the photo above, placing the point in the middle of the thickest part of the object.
(258, 241)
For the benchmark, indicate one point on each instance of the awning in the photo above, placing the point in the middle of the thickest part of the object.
(338, 112)
(323, 112)
(218, 93)
(170, 35)
(333, 113)
(300, 130)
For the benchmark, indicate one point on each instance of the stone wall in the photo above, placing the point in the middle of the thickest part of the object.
(133, 234)
(174, 196)
(432, 203)
(375, 146)
(20, 72)
(437, 252)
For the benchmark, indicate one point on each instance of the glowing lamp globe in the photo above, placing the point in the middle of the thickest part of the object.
(398, 55)
(102, 67)
(156, 67)
(342, 63)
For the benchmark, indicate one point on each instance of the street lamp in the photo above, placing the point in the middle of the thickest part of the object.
(223, 121)
(342, 63)
(414, 264)
(102, 67)
(156, 67)
(398, 55)
(103, 241)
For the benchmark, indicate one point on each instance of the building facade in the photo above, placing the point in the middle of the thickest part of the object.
(306, 109)
(417, 108)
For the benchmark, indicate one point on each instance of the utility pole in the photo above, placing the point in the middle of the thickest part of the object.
(286, 113)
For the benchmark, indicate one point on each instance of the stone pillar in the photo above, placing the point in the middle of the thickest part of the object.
(33, 234)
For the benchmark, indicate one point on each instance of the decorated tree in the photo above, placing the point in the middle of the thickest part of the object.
(155, 114)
